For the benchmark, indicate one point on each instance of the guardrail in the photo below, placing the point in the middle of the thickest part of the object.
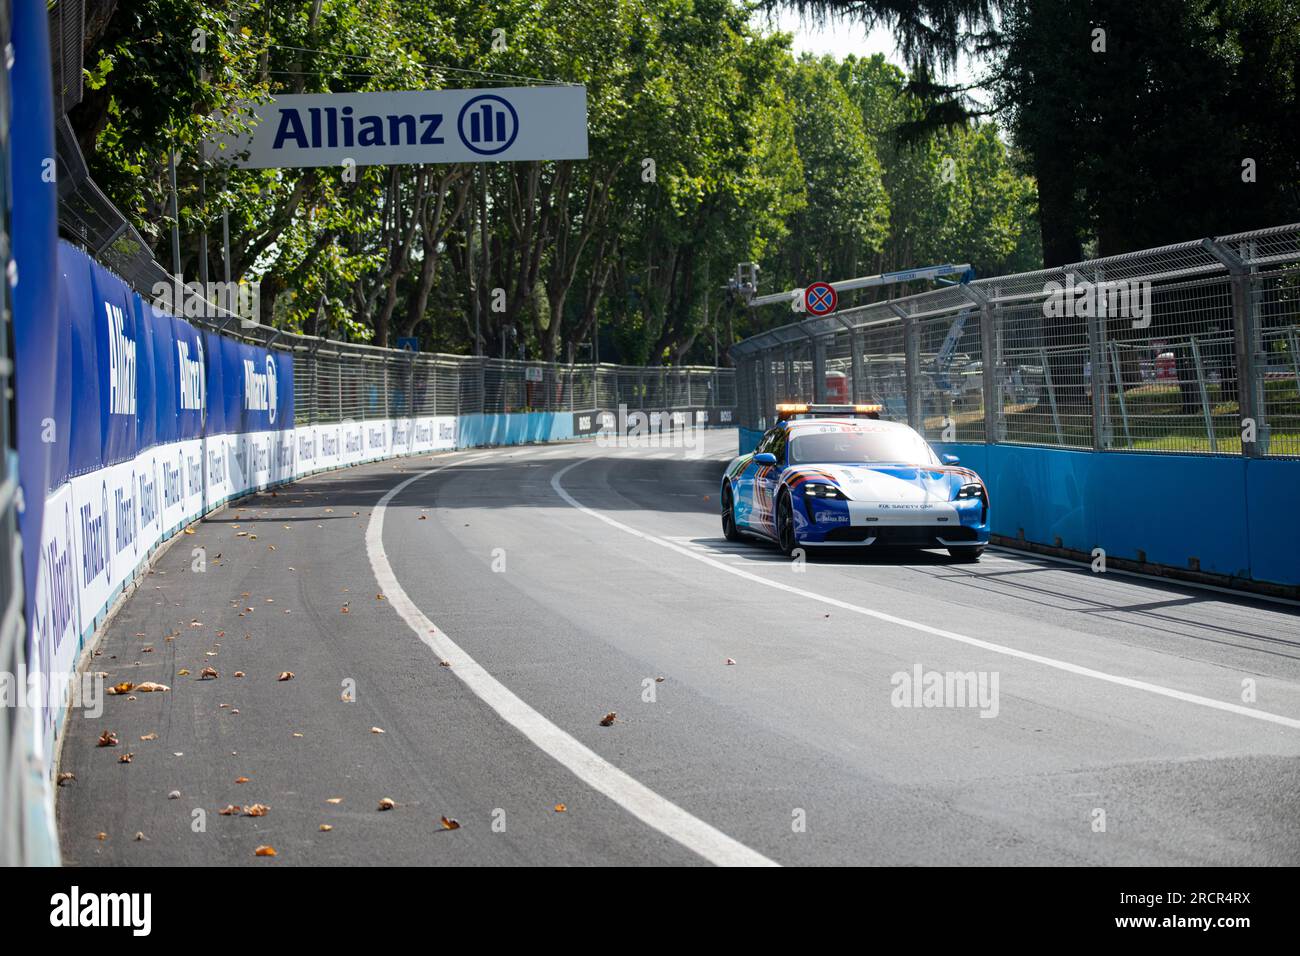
(1192, 348)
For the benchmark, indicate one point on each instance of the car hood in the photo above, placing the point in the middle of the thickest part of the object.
(887, 483)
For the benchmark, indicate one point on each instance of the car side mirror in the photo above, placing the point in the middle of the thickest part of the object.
(950, 459)
(765, 458)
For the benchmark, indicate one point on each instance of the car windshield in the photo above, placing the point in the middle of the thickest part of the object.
(851, 446)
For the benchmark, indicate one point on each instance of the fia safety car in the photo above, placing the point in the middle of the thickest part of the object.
(839, 476)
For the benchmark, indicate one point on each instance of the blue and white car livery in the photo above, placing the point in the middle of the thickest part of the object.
(837, 476)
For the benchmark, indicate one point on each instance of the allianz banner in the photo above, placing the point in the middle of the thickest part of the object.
(411, 126)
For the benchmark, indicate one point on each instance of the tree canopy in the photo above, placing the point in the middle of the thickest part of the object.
(710, 143)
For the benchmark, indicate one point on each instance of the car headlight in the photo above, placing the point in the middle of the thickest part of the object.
(972, 489)
(820, 489)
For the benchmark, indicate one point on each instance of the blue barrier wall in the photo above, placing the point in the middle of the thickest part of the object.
(1235, 517)
(476, 431)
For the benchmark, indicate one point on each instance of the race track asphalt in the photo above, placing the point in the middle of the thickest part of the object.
(569, 579)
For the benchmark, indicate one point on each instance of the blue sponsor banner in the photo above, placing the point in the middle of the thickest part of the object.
(261, 379)
(117, 354)
(163, 348)
(189, 388)
(146, 390)
(223, 388)
(133, 377)
(86, 438)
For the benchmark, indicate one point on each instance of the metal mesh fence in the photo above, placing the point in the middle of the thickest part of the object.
(1192, 348)
(336, 381)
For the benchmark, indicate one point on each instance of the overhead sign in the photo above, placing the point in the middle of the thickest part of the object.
(820, 299)
(415, 126)
(408, 343)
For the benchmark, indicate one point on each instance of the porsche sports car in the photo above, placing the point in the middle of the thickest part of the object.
(838, 476)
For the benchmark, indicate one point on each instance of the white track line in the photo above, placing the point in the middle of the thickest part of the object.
(589, 767)
(923, 628)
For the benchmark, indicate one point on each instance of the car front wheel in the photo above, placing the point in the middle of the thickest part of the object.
(785, 525)
(729, 530)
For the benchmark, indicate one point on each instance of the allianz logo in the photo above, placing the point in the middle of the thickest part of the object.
(58, 573)
(147, 495)
(191, 376)
(124, 523)
(333, 127)
(173, 484)
(121, 363)
(260, 387)
(94, 542)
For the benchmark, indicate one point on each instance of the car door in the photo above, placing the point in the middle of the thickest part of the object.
(766, 483)
(744, 486)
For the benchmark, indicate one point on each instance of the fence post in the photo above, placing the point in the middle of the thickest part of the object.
(911, 367)
(989, 360)
(1245, 342)
(1097, 380)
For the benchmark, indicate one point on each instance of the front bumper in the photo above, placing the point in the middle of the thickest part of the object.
(936, 524)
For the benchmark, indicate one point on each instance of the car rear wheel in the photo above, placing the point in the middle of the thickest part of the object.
(968, 553)
(785, 524)
(729, 530)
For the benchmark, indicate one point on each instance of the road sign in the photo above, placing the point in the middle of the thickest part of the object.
(533, 373)
(820, 299)
(411, 126)
(408, 343)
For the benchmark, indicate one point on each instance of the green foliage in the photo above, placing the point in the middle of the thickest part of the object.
(796, 164)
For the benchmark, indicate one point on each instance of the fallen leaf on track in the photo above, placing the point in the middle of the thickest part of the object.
(561, 808)
(449, 824)
(285, 675)
(108, 739)
(151, 687)
(126, 758)
(325, 828)
(256, 810)
(229, 810)
(125, 687)
(241, 780)
(334, 800)
(608, 719)
(264, 851)
(208, 673)
(148, 736)
(387, 803)
(66, 778)
(376, 730)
